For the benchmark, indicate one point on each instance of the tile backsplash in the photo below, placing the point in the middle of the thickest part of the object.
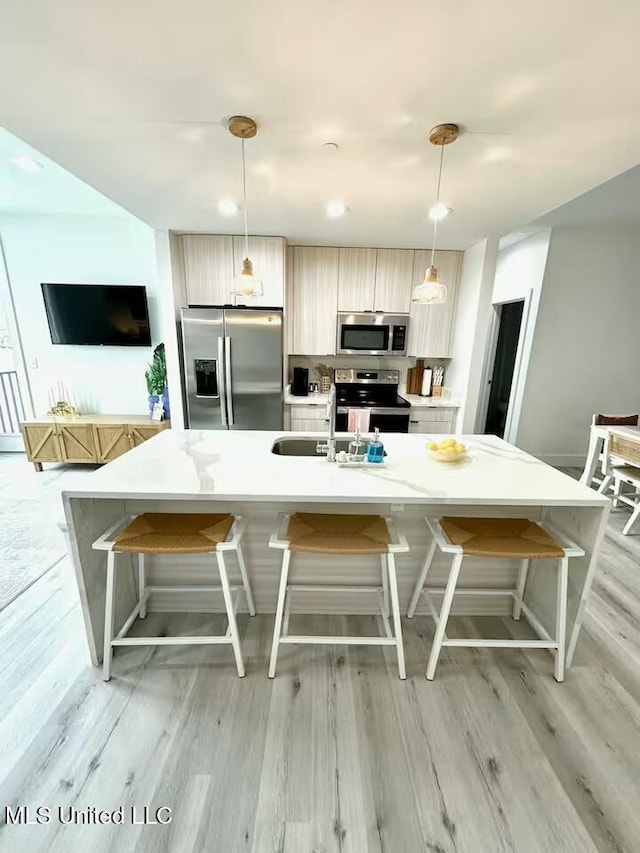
(372, 362)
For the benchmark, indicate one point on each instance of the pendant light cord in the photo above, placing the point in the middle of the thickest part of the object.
(244, 202)
(435, 221)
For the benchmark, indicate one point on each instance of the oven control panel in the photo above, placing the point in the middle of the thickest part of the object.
(367, 377)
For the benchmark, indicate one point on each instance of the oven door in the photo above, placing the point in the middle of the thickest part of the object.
(385, 419)
(363, 339)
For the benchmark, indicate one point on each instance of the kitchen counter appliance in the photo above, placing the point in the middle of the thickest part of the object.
(233, 368)
(375, 390)
(372, 334)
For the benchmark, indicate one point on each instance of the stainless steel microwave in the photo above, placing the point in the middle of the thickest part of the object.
(372, 334)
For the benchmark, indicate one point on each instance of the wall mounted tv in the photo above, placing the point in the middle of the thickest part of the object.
(97, 314)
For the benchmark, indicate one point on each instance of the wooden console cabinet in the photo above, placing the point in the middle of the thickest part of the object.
(86, 438)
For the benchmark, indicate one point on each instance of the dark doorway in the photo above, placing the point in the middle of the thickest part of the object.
(502, 378)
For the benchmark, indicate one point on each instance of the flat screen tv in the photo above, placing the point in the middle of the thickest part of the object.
(97, 314)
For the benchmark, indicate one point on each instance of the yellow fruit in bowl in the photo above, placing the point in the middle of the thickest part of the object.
(448, 442)
(461, 448)
(431, 445)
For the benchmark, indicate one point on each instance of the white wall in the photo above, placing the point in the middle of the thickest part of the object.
(92, 250)
(584, 357)
(519, 275)
(471, 325)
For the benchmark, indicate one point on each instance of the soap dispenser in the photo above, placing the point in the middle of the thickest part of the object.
(375, 449)
(357, 448)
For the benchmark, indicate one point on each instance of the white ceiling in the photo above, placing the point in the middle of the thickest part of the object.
(129, 97)
(50, 190)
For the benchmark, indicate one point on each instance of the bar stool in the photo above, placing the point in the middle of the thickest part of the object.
(343, 535)
(507, 538)
(173, 533)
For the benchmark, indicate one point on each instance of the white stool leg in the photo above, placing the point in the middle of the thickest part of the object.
(522, 582)
(245, 581)
(108, 617)
(142, 585)
(561, 617)
(282, 594)
(422, 578)
(616, 492)
(233, 626)
(634, 517)
(444, 615)
(603, 488)
(395, 609)
(385, 585)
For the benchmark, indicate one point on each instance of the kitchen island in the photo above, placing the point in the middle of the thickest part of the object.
(236, 471)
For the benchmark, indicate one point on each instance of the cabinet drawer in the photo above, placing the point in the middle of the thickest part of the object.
(308, 425)
(430, 427)
(431, 414)
(307, 412)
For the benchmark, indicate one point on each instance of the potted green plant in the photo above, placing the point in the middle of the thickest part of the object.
(156, 377)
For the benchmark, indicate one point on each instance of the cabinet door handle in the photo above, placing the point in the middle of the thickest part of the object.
(413, 422)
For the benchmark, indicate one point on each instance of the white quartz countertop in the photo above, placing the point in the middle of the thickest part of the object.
(429, 402)
(414, 399)
(310, 400)
(239, 466)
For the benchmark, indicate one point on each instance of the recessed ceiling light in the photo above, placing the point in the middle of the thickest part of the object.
(27, 164)
(439, 212)
(336, 209)
(227, 207)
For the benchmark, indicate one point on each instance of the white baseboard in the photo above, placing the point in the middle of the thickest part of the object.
(11, 443)
(562, 460)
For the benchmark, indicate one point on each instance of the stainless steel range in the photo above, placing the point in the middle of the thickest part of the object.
(375, 390)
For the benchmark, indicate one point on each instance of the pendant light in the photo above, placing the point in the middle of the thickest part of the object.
(246, 283)
(432, 291)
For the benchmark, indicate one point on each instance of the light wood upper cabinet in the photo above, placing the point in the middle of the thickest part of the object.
(431, 326)
(394, 270)
(313, 301)
(267, 254)
(356, 279)
(208, 269)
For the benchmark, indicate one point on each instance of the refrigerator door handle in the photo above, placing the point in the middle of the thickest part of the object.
(227, 380)
(222, 389)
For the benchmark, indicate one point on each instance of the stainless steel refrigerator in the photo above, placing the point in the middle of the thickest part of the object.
(233, 368)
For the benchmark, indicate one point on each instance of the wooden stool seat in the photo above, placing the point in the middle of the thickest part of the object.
(173, 533)
(332, 535)
(338, 534)
(517, 538)
(496, 538)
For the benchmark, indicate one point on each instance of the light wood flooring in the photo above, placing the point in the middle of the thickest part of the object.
(336, 754)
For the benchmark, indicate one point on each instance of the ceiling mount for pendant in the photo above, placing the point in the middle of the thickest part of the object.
(444, 134)
(242, 127)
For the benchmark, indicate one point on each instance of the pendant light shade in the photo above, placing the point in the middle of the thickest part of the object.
(432, 291)
(246, 284)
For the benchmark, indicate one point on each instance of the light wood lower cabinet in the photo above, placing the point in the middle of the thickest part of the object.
(431, 420)
(77, 442)
(112, 440)
(41, 442)
(88, 438)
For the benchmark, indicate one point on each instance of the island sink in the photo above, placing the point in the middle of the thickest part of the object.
(304, 446)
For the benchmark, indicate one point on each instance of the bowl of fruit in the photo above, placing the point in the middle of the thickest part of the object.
(447, 450)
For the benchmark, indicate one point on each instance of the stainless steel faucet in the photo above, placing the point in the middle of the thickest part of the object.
(329, 447)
